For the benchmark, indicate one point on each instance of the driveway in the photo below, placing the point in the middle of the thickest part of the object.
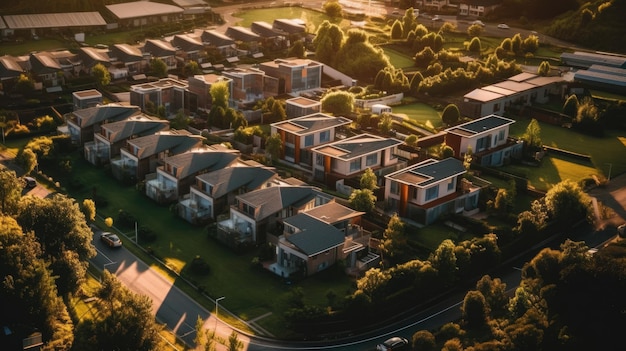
(613, 196)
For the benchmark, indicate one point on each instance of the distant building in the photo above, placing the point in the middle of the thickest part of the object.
(86, 98)
(294, 75)
(167, 92)
(199, 87)
(582, 59)
(477, 8)
(143, 13)
(301, 106)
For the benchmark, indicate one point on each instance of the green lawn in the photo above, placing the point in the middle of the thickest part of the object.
(17, 49)
(398, 59)
(606, 153)
(250, 291)
(421, 113)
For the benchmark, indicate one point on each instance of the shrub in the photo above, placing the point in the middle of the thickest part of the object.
(146, 234)
(125, 219)
(200, 266)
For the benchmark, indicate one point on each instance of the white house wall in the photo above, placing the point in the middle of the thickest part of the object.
(202, 199)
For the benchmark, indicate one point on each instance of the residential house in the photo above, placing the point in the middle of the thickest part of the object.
(86, 98)
(127, 57)
(112, 136)
(301, 106)
(602, 77)
(246, 39)
(350, 157)
(215, 191)
(293, 75)
(517, 91)
(199, 87)
(143, 155)
(161, 49)
(35, 25)
(259, 212)
(82, 124)
(477, 8)
(10, 71)
(144, 13)
(190, 47)
(220, 42)
(291, 27)
(46, 69)
(91, 56)
(248, 84)
(299, 135)
(426, 190)
(269, 38)
(316, 239)
(167, 92)
(488, 139)
(583, 59)
(178, 172)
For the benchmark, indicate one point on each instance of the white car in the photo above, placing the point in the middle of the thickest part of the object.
(394, 343)
(436, 18)
(503, 26)
(478, 22)
(111, 239)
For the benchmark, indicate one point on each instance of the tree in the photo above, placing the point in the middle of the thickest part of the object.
(544, 69)
(362, 200)
(126, 322)
(101, 74)
(450, 114)
(444, 261)
(411, 140)
(474, 31)
(494, 291)
(158, 67)
(24, 84)
(424, 340)
(396, 30)
(274, 146)
(89, 209)
(219, 94)
(566, 202)
(474, 45)
(394, 238)
(385, 123)
(532, 135)
(327, 42)
(27, 159)
(369, 180)
(333, 8)
(10, 191)
(587, 117)
(191, 68)
(298, 50)
(358, 58)
(234, 344)
(180, 120)
(570, 107)
(339, 103)
(474, 310)
(446, 151)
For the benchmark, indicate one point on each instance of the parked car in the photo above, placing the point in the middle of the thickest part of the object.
(30, 182)
(111, 239)
(394, 343)
(503, 26)
(478, 22)
(436, 18)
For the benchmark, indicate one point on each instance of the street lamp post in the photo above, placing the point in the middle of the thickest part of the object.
(217, 306)
(610, 168)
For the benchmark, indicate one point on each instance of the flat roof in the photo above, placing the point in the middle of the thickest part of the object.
(514, 86)
(482, 95)
(142, 9)
(83, 94)
(190, 3)
(481, 125)
(302, 101)
(429, 172)
(54, 20)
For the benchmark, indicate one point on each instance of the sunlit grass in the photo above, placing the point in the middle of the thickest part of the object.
(421, 113)
(312, 18)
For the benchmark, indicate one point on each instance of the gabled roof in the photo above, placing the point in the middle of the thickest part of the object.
(356, 146)
(242, 34)
(54, 20)
(264, 29)
(291, 26)
(42, 63)
(93, 115)
(95, 55)
(175, 141)
(127, 53)
(270, 200)
(9, 68)
(314, 236)
(333, 212)
(480, 125)
(159, 48)
(201, 159)
(429, 172)
(311, 123)
(215, 38)
(138, 125)
(191, 3)
(187, 43)
(230, 179)
(142, 9)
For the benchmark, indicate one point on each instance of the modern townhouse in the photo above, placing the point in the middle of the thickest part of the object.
(172, 94)
(161, 49)
(83, 123)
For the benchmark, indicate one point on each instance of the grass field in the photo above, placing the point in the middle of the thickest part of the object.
(312, 18)
(421, 113)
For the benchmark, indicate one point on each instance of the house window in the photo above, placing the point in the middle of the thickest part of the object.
(394, 188)
(496, 107)
(371, 159)
(308, 140)
(414, 193)
(290, 152)
(290, 138)
(325, 136)
(501, 135)
(319, 159)
(208, 188)
(432, 193)
(451, 184)
(355, 165)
